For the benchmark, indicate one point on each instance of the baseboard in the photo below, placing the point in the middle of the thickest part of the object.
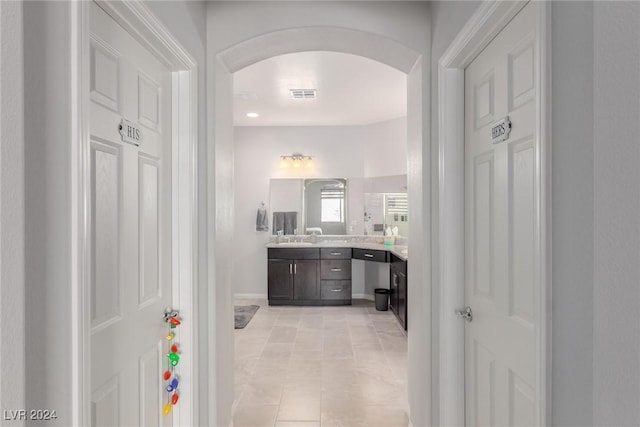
(250, 296)
(264, 296)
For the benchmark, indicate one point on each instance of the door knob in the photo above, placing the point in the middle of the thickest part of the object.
(466, 314)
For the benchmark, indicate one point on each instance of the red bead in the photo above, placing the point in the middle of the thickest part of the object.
(167, 375)
(174, 348)
(174, 398)
(174, 321)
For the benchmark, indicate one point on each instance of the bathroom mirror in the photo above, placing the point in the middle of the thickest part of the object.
(307, 206)
(288, 195)
(386, 205)
(325, 206)
(386, 210)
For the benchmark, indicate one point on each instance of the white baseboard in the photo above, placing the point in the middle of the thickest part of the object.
(264, 296)
(363, 296)
(250, 296)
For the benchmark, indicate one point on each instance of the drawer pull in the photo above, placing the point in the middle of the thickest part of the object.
(336, 253)
(368, 255)
(336, 290)
(336, 269)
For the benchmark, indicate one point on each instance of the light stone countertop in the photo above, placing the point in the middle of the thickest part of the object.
(401, 251)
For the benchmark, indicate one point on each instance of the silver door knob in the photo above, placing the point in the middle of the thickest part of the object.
(466, 314)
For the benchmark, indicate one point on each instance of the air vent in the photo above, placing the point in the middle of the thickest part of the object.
(303, 93)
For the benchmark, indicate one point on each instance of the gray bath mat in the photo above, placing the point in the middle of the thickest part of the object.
(243, 314)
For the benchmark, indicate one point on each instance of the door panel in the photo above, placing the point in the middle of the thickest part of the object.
(280, 277)
(305, 280)
(130, 228)
(501, 230)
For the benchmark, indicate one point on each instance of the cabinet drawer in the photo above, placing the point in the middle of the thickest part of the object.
(335, 253)
(293, 253)
(370, 255)
(335, 289)
(335, 269)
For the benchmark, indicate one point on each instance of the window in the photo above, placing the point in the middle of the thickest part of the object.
(332, 204)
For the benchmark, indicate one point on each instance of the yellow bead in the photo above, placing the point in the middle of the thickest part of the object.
(167, 409)
(170, 336)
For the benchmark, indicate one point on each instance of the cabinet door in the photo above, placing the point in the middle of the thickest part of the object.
(305, 280)
(393, 287)
(280, 279)
(402, 299)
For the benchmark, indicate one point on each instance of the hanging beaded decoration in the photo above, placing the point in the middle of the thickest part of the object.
(173, 358)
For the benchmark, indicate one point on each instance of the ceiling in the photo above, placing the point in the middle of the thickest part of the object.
(351, 90)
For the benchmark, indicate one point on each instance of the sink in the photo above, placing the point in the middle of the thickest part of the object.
(295, 244)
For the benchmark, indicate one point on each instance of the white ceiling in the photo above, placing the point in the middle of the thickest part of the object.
(351, 90)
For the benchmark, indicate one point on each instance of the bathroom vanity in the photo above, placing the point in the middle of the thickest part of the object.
(320, 274)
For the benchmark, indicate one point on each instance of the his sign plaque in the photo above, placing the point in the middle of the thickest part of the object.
(130, 133)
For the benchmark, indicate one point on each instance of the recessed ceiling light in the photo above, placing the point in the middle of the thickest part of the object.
(253, 115)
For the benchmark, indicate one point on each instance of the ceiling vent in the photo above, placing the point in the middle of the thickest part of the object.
(303, 93)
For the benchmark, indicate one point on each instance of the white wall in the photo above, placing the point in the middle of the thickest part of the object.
(339, 152)
(616, 217)
(572, 220)
(47, 100)
(12, 231)
(386, 148)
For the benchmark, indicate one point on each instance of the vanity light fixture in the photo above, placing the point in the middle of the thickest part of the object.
(296, 160)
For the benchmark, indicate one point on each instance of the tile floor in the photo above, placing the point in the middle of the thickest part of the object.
(320, 366)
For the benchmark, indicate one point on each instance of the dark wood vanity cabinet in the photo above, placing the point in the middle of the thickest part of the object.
(293, 275)
(398, 285)
(309, 276)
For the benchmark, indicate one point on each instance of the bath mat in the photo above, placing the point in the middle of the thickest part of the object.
(243, 314)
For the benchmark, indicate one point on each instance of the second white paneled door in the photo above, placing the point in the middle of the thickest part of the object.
(501, 231)
(129, 226)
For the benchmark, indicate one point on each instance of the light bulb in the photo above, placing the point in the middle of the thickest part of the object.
(296, 163)
(309, 162)
(284, 163)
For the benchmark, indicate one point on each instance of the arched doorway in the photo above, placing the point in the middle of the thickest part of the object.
(219, 301)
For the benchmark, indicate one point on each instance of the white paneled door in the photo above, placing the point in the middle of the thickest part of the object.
(130, 227)
(501, 231)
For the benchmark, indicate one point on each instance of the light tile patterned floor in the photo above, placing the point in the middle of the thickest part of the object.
(320, 366)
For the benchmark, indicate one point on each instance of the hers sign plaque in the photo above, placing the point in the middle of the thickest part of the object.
(500, 130)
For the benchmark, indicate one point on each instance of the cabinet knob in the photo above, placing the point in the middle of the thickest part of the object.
(368, 255)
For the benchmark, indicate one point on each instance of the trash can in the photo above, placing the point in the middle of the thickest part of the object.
(382, 299)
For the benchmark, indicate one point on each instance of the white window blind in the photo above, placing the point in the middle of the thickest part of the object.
(332, 204)
(397, 203)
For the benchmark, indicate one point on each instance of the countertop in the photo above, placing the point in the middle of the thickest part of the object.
(401, 251)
